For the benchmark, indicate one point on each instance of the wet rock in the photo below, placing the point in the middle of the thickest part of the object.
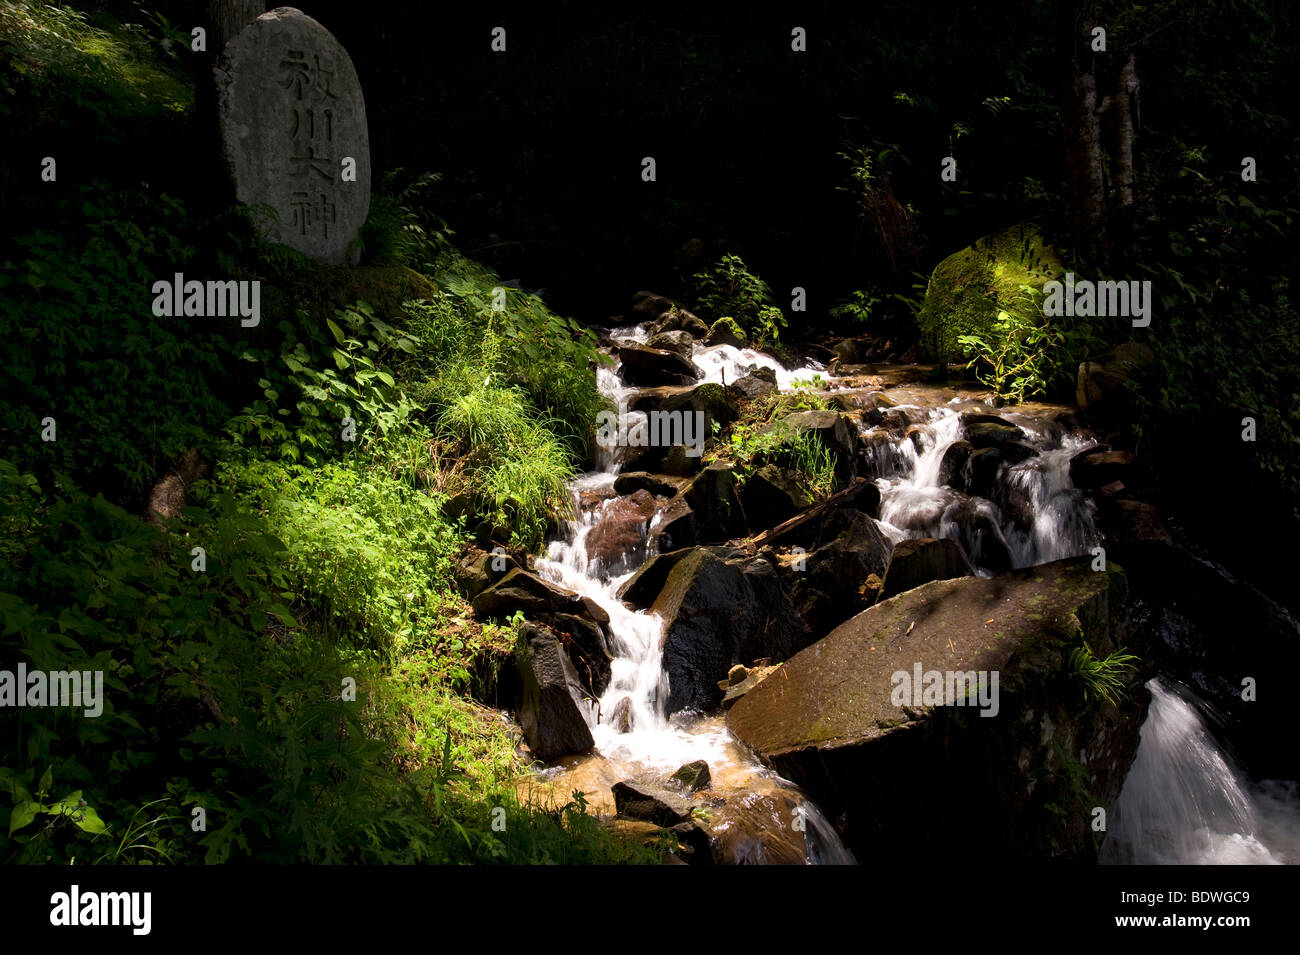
(588, 647)
(989, 431)
(806, 529)
(758, 830)
(1105, 384)
(842, 370)
(644, 586)
(753, 677)
(736, 674)
(1134, 522)
(520, 590)
(654, 366)
(681, 462)
(772, 495)
(841, 574)
(635, 800)
(921, 560)
(980, 535)
(620, 535)
(650, 305)
(663, 485)
(679, 319)
(714, 499)
(681, 342)
(718, 613)
(553, 712)
(836, 723)
(692, 777)
(969, 287)
(676, 527)
(846, 350)
(621, 718)
(952, 468)
(980, 473)
(760, 381)
(693, 842)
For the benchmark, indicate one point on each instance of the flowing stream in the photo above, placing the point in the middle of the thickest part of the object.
(1183, 800)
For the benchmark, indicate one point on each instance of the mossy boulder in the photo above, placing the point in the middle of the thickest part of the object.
(725, 331)
(968, 288)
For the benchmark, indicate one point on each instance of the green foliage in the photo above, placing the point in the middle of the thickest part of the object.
(806, 394)
(728, 288)
(970, 289)
(751, 445)
(1103, 680)
(525, 344)
(128, 390)
(303, 405)
(861, 306)
(812, 462)
(511, 462)
(53, 54)
(1025, 353)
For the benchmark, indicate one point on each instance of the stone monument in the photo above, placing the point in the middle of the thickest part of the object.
(293, 134)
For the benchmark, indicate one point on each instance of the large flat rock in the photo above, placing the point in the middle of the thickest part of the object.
(837, 691)
(903, 769)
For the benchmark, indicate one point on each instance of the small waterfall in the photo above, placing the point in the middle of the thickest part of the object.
(1184, 802)
(656, 743)
(1033, 513)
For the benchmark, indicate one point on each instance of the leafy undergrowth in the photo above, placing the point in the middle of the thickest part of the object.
(288, 672)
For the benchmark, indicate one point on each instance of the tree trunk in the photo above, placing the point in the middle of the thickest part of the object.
(1084, 174)
(227, 17)
(1122, 110)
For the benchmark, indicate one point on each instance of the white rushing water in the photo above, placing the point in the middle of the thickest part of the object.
(656, 743)
(1185, 802)
(1034, 515)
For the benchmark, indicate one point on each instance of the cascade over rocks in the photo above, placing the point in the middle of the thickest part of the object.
(831, 721)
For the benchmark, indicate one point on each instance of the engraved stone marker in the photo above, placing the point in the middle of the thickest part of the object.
(291, 111)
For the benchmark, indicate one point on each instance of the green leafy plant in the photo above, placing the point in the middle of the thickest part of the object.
(728, 288)
(1102, 680)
